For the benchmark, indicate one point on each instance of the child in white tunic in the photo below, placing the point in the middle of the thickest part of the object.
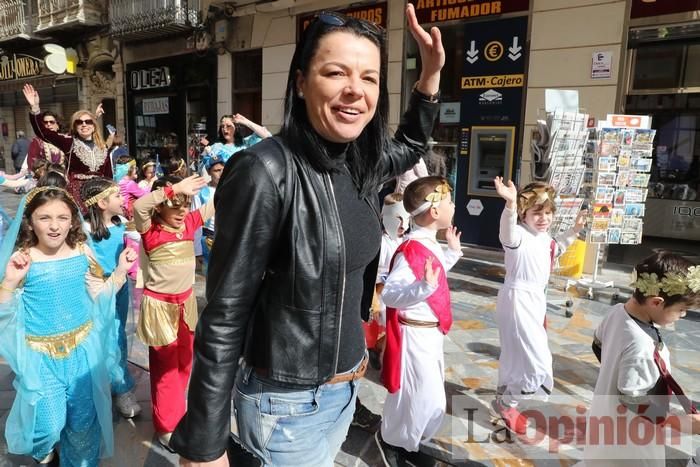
(525, 363)
(625, 343)
(418, 315)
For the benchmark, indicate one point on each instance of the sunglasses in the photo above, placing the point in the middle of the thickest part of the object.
(50, 122)
(83, 122)
(227, 125)
(337, 19)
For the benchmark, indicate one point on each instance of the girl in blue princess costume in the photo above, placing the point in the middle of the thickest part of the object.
(57, 332)
(230, 138)
(105, 203)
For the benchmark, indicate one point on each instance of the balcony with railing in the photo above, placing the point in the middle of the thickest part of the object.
(65, 14)
(144, 19)
(15, 16)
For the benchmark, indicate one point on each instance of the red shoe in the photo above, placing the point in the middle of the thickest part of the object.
(514, 420)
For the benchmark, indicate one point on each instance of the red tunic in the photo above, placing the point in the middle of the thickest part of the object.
(439, 302)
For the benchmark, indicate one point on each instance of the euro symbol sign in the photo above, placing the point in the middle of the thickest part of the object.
(493, 51)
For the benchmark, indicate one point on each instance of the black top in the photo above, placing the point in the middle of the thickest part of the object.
(362, 234)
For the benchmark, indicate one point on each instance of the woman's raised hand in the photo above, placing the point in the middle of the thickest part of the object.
(17, 267)
(32, 96)
(507, 191)
(432, 53)
(189, 186)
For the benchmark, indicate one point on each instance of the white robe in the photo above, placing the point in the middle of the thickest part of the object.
(525, 364)
(627, 368)
(415, 411)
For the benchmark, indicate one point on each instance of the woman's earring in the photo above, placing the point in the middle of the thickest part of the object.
(300, 95)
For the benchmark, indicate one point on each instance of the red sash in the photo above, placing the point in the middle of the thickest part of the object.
(416, 255)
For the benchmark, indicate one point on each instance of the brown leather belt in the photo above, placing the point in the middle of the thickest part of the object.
(341, 378)
(352, 376)
(414, 323)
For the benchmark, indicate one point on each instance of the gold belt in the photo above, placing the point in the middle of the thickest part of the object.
(414, 323)
(60, 345)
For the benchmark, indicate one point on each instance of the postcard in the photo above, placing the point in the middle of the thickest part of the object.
(631, 238)
(619, 198)
(599, 236)
(618, 217)
(607, 164)
(636, 195)
(644, 136)
(602, 209)
(641, 164)
(609, 149)
(600, 224)
(611, 135)
(632, 224)
(634, 209)
(606, 178)
(639, 179)
(604, 194)
(614, 235)
(623, 178)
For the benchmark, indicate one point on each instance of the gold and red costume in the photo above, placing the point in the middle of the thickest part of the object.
(169, 307)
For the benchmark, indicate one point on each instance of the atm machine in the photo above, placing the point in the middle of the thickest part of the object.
(490, 154)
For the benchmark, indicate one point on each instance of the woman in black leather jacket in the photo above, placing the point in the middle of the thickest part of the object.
(294, 260)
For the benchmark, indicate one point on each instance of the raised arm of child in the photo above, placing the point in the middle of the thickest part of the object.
(565, 239)
(96, 282)
(508, 234)
(144, 207)
(403, 290)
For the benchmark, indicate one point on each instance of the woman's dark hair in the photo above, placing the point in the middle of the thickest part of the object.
(365, 153)
(661, 263)
(48, 113)
(27, 238)
(237, 135)
(53, 176)
(93, 187)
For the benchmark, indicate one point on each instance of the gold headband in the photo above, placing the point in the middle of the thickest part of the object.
(673, 283)
(41, 189)
(433, 199)
(147, 165)
(180, 165)
(534, 197)
(101, 195)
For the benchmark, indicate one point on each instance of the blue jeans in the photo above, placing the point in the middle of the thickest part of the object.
(292, 427)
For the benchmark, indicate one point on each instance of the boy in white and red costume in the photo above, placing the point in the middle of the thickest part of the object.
(418, 316)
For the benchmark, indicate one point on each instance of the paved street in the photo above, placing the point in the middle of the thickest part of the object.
(471, 360)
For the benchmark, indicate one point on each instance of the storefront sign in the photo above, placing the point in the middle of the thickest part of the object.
(601, 65)
(643, 8)
(435, 11)
(19, 66)
(155, 106)
(629, 121)
(150, 78)
(375, 13)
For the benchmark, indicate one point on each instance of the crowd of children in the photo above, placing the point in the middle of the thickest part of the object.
(136, 243)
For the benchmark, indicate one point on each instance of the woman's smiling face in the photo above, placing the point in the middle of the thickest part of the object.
(341, 86)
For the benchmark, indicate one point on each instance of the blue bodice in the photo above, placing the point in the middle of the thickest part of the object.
(107, 251)
(55, 296)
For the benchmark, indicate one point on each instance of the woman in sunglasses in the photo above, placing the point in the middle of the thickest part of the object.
(293, 266)
(85, 151)
(231, 139)
(40, 149)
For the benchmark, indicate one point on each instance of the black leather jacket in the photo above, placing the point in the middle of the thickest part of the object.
(276, 278)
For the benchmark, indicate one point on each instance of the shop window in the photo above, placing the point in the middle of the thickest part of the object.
(692, 68)
(658, 66)
(247, 84)
(676, 164)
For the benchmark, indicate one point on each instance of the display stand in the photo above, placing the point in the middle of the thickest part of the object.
(620, 162)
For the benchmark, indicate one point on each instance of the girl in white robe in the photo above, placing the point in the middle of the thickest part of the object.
(525, 363)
